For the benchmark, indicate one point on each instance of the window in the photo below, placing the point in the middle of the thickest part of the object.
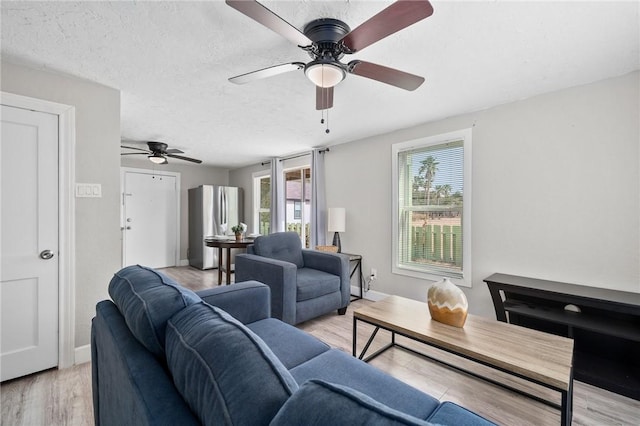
(432, 200)
(262, 204)
(298, 202)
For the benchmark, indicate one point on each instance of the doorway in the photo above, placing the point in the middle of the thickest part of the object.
(150, 218)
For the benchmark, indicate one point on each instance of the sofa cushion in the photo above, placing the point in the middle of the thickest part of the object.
(292, 346)
(226, 373)
(285, 246)
(321, 403)
(313, 283)
(147, 299)
(340, 368)
(449, 413)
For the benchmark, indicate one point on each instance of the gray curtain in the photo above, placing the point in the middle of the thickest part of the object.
(278, 198)
(318, 225)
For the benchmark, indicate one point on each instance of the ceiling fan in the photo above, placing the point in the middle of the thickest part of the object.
(327, 40)
(158, 153)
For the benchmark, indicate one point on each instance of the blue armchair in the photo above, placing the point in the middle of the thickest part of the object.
(304, 283)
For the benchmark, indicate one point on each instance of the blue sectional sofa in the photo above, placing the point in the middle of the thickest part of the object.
(164, 355)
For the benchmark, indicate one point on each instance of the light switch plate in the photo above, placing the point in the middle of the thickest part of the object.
(86, 190)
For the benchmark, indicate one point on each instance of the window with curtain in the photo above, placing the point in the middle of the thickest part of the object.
(298, 202)
(431, 232)
(262, 204)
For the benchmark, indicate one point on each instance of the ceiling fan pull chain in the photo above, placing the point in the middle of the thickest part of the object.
(327, 131)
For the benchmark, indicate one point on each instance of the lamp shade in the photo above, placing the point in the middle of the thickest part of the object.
(337, 219)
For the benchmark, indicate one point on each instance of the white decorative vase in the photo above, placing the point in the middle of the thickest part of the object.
(447, 303)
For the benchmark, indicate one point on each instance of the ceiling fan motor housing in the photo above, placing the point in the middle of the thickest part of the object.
(157, 146)
(326, 34)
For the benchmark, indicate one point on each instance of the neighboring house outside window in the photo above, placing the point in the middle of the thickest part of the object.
(432, 207)
(297, 210)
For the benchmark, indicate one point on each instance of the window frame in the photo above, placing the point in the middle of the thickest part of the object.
(427, 272)
(304, 238)
(257, 177)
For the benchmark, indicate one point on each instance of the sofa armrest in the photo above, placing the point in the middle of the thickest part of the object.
(281, 278)
(332, 263)
(247, 302)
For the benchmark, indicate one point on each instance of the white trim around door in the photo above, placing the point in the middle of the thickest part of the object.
(66, 214)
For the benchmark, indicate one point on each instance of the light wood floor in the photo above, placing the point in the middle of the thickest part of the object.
(63, 397)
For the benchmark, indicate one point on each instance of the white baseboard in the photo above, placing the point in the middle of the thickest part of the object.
(369, 295)
(82, 354)
(375, 295)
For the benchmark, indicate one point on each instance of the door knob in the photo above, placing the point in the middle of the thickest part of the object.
(46, 254)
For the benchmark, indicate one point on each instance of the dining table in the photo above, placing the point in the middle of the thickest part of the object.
(226, 244)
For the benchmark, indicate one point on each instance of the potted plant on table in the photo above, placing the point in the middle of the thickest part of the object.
(238, 230)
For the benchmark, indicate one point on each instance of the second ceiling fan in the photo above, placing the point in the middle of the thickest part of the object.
(327, 40)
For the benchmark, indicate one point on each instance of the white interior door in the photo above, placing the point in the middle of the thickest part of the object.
(150, 219)
(29, 275)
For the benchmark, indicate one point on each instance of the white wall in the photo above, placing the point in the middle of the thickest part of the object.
(97, 224)
(191, 176)
(556, 191)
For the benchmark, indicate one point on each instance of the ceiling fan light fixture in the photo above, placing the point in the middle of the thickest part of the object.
(157, 158)
(324, 73)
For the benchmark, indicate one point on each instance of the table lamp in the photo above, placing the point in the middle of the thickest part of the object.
(336, 224)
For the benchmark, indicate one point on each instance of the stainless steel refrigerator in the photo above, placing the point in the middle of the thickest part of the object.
(213, 210)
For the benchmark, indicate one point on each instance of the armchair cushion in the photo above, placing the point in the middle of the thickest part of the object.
(285, 246)
(312, 283)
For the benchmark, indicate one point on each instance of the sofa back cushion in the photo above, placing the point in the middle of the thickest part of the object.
(225, 372)
(147, 299)
(285, 246)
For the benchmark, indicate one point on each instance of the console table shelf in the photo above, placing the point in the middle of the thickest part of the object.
(592, 322)
(606, 328)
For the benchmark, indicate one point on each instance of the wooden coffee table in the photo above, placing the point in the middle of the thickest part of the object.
(540, 358)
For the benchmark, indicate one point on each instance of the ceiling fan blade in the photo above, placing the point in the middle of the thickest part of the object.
(391, 76)
(266, 72)
(134, 153)
(266, 17)
(131, 147)
(324, 97)
(180, 157)
(173, 151)
(394, 18)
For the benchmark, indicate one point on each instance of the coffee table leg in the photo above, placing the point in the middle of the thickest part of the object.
(228, 266)
(566, 412)
(219, 265)
(355, 335)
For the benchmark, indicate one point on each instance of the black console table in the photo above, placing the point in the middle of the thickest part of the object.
(605, 325)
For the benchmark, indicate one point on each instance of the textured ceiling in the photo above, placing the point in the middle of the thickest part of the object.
(171, 61)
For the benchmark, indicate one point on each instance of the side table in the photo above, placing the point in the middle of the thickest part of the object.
(355, 262)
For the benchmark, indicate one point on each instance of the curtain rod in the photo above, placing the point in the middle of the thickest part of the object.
(291, 157)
